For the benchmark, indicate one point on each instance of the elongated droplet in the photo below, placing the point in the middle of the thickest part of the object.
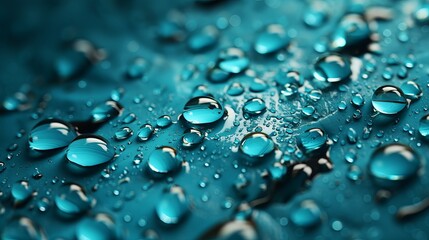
(51, 134)
(163, 160)
(203, 110)
(88, 151)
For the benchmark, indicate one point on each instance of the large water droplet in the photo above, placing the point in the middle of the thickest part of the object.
(232, 60)
(203, 110)
(71, 200)
(254, 106)
(87, 151)
(22, 228)
(123, 133)
(271, 40)
(393, 163)
(163, 160)
(424, 127)
(51, 134)
(257, 145)
(173, 206)
(99, 227)
(106, 111)
(388, 100)
(332, 68)
(306, 215)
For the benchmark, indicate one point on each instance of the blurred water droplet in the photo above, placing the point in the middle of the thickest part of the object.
(411, 90)
(306, 215)
(173, 206)
(22, 228)
(99, 227)
(21, 192)
(203, 39)
(71, 200)
(393, 163)
(232, 60)
(271, 39)
(106, 111)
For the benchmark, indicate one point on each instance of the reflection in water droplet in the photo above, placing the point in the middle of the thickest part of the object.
(22, 228)
(106, 111)
(192, 137)
(306, 215)
(332, 68)
(51, 134)
(393, 163)
(388, 100)
(173, 206)
(203, 110)
(257, 145)
(271, 40)
(87, 151)
(71, 200)
(145, 132)
(99, 227)
(254, 106)
(163, 160)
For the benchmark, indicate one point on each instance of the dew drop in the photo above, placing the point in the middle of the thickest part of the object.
(254, 106)
(145, 132)
(257, 145)
(163, 160)
(332, 68)
(388, 100)
(106, 111)
(203, 110)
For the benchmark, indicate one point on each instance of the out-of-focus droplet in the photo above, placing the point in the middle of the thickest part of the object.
(271, 39)
(22, 228)
(71, 200)
(203, 39)
(99, 227)
(173, 206)
(306, 215)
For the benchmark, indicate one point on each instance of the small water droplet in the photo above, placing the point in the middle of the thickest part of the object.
(164, 121)
(106, 111)
(163, 160)
(192, 137)
(123, 133)
(145, 132)
(254, 106)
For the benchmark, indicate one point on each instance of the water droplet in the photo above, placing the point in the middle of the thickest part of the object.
(137, 69)
(169, 30)
(312, 140)
(315, 17)
(106, 111)
(288, 77)
(203, 39)
(388, 100)
(71, 200)
(217, 75)
(277, 171)
(145, 132)
(232, 60)
(99, 227)
(352, 33)
(411, 90)
(235, 89)
(129, 118)
(87, 151)
(192, 137)
(357, 100)
(393, 163)
(354, 173)
(258, 85)
(22, 228)
(21, 192)
(332, 68)
(173, 206)
(203, 110)
(271, 40)
(163, 121)
(254, 106)
(123, 133)
(163, 160)
(306, 215)
(257, 145)
(422, 14)
(51, 134)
